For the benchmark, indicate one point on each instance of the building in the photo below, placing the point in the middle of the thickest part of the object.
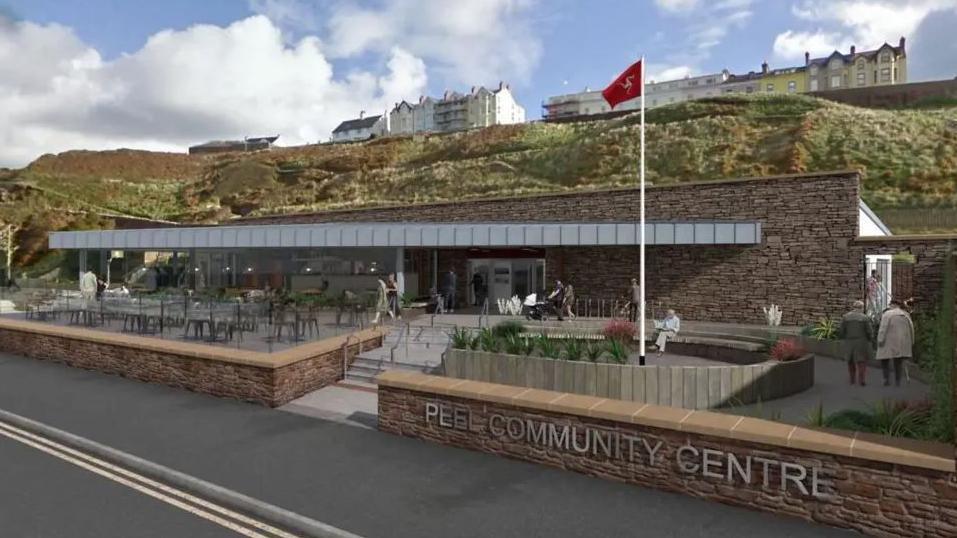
(224, 146)
(362, 128)
(657, 94)
(883, 66)
(481, 107)
(788, 80)
(801, 244)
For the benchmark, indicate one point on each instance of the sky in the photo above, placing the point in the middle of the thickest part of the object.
(104, 74)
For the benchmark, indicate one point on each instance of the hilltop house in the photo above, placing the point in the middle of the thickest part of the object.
(223, 146)
(884, 66)
(362, 128)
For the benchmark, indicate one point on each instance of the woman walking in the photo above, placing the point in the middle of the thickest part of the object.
(392, 288)
(895, 341)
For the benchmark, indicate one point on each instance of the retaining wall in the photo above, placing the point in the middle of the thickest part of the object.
(271, 379)
(877, 485)
(689, 387)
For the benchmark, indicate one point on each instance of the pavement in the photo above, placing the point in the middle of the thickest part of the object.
(360, 480)
(343, 404)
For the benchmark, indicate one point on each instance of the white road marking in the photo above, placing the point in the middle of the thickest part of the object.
(146, 485)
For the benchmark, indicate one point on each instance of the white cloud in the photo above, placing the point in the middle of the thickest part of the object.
(662, 72)
(677, 6)
(181, 87)
(463, 42)
(865, 23)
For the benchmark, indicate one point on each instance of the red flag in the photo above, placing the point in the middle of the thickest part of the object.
(626, 86)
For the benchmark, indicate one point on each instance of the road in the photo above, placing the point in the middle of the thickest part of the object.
(363, 481)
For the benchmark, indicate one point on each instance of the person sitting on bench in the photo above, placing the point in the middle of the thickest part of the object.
(667, 329)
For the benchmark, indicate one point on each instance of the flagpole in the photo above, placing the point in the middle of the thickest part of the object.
(641, 196)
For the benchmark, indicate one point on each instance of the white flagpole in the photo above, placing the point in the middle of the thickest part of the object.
(641, 255)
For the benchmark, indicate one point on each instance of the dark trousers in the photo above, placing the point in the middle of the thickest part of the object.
(633, 312)
(898, 369)
(449, 299)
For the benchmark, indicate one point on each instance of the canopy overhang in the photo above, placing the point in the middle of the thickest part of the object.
(429, 235)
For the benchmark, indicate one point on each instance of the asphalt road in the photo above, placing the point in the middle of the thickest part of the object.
(366, 482)
(44, 497)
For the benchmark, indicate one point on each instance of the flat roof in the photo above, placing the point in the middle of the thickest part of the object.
(412, 234)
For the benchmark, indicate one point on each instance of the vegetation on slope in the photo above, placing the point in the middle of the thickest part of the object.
(909, 158)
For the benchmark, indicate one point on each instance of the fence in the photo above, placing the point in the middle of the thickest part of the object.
(917, 219)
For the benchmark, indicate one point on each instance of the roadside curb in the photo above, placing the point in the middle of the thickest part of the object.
(269, 513)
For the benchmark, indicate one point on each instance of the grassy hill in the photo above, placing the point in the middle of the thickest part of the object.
(909, 158)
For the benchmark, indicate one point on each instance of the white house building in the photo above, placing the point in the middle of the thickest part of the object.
(455, 111)
(656, 94)
(362, 128)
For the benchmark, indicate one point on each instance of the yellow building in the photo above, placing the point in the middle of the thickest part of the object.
(883, 66)
(782, 81)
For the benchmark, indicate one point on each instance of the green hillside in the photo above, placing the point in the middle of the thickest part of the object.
(909, 158)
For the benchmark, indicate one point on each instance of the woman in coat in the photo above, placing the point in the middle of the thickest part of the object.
(381, 302)
(895, 341)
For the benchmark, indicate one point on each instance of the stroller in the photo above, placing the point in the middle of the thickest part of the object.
(535, 309)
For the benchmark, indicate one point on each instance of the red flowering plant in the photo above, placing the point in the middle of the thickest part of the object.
(620, 330)
(787, 349)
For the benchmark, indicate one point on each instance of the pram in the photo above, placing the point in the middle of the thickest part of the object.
(535, 309)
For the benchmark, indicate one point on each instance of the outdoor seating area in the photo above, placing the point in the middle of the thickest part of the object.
(253, 322)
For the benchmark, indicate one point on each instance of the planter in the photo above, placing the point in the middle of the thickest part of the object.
(689, 387)
(825, 348)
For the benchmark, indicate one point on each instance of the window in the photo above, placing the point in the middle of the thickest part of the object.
(861, 64)
(885, 57)
(861, 78)
(693, 83)
(770, 88)
(885, 74)
(792, 86)
(835, 81)
(875, 76)
(673, 85)
(835, 64)
(813, 69)
(813, 84)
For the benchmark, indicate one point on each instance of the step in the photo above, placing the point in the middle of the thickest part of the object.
(385, 364)
(360, 377)
(358, 385)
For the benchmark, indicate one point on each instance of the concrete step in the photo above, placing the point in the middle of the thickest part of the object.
(358, 384)
(361, 377)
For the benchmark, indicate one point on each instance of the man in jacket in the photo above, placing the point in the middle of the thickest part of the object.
(858, 335)
(449, 287)
(635, 291)
(895, 341)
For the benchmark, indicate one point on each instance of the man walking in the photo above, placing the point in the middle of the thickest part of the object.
(895, 340)
(858, 335)
(448, 289)
(635, 300)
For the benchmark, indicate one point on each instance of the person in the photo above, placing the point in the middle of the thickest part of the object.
(477, 289)
(569, 302)
(557, 299)
(151, 279)
(382, 301)
(895, 341)
(668, 330)
(100, 288)
(436, 304)
(88, 282)
(635, 303)
(857, 332)
(875, 293)
(392, 289)
(448, 290)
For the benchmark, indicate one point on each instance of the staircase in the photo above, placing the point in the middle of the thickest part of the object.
(409, 348)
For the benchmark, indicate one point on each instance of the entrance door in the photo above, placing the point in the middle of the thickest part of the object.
(501, 286)
(480, 268)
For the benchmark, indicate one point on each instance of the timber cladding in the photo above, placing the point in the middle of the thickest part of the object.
(879, 486)
(270, 379)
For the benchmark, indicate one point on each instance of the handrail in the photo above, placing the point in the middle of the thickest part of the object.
(345, 355)
(402, 332)
(484, 312)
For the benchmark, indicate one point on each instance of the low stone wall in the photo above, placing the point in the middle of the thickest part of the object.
(271, 379)
(877, 485)
(689, 387)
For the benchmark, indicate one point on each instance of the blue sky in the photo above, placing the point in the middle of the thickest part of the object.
(95, 64)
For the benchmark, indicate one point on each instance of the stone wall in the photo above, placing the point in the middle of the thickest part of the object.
(894, 95)
(268, 379)
(803, 263)
(877, 485)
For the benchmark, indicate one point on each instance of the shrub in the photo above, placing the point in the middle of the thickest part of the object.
(825, 329)
(514, 344)
(618, 350)
(574, 349)
(548, 347)
(474, 342)
(461, 338)
(620, 330)
(488, 341)
(509, 327)
(787, 349)
(594, 351)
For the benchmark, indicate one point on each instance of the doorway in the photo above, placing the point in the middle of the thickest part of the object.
(504, 278)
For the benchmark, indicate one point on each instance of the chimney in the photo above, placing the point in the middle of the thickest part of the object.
(902, 44)
(501, 84)
(853, 50)
(473, 90)
(362, 114)
(807, 58)
(764, 67)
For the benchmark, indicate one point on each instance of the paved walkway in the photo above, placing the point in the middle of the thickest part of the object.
(346, 405)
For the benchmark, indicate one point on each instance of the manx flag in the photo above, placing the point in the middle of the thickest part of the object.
(627, 86)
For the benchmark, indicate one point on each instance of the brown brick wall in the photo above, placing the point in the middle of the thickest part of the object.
(260, 384)
(879, 499)
(892, 96)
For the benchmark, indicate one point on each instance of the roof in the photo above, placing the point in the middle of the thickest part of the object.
(416, 234)
(260, 139)
(356, 124)
(850, 58)
(875, 220)
(236, 143)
